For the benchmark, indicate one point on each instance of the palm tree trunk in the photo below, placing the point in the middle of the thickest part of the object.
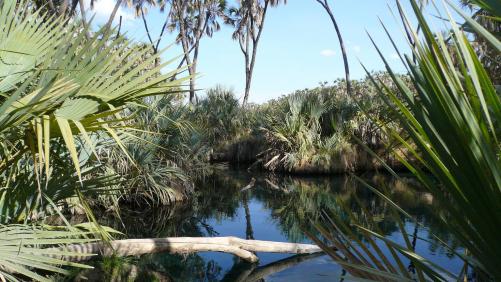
(325, 5)
(113, 14)
(255, 42)
(148, 31)
(248, 80)
(84, 18)
(248, 69)
(186, 48)
(194, 70)
(63, 7)
(250, 72)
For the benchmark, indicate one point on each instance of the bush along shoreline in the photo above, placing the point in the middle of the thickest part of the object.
(310, 131)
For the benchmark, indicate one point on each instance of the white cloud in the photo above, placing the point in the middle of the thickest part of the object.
(103, 8)
(327, 53)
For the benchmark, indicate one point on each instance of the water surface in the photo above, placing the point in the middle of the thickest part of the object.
(276, 208)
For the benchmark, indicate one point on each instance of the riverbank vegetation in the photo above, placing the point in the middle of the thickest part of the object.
(91, 122)
(310, 131)
(451, 123)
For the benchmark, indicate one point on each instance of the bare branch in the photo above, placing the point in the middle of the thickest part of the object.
(148, 31)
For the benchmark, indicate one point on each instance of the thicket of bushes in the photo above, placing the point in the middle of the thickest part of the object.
(319, 130)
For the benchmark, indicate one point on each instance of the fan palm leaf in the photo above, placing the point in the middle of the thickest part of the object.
(24, 249)
(61, 94)
(452, 120)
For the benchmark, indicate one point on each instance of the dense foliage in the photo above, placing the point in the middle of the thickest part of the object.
(66, 100)
(452, 123)
(89, 121)
(309, 131)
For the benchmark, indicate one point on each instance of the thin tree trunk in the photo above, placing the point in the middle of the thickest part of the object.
(255, 43)
(112, 16)
(200, 30)
(148, 31)
(84, 18)
(191, 70)
(119, 26)
(325, 5)
(194, 72)
(190, 67)
(63, 7)
(250, 72)
(248, 80)
(202, 24)
(154, 45)
(248, 76)
(161, 35)
(186, 49)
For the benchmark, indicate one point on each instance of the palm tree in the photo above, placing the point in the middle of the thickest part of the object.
(327, 8)
(192, 20)
(141, 10)
(248, 20)
(62, 98)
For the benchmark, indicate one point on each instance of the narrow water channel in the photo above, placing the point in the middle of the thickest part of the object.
(276, 208)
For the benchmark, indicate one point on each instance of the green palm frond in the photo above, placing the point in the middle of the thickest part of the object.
(58, 87)
(24, 250)
(452, 120)
(64, 97)
(76, 85)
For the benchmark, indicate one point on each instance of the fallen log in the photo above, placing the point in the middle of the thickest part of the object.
(239, 247)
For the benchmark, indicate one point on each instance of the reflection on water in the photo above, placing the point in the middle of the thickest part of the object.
(275, 208)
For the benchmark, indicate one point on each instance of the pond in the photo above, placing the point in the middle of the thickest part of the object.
(276, 208)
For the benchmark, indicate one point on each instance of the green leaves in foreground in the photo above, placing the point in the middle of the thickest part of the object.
(63, 98)
(57, 84)
(24, 249)
(452, 120)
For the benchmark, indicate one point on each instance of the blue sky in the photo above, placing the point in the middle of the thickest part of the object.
(298, 48)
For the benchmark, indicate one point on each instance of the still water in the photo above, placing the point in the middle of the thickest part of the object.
(276, 208)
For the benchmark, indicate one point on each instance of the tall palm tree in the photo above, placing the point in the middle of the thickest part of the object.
(248, 20)
(192, 20)
(327, 8)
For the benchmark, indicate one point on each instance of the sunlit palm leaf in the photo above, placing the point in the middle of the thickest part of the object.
(24, 249)
(452, 120)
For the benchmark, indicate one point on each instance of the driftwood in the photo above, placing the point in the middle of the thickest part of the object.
(239, 247)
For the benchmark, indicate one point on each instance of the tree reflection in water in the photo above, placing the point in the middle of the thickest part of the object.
(292, 202)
